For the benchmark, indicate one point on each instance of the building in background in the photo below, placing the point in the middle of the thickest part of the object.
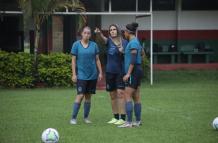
(185, 31)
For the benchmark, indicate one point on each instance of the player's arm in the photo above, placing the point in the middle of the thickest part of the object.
(98, 63)
(99, 33)
(132, 64)
(74, 76)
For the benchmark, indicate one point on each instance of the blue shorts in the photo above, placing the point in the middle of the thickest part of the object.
(135, 78)
(114, 81)
(86, 86)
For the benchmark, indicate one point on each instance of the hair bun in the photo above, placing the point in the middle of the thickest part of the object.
(134, 24)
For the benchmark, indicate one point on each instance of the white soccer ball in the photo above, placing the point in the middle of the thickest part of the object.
(50, 135)
(215, 123)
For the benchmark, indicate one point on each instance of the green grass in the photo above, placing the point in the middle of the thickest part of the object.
(179, 108)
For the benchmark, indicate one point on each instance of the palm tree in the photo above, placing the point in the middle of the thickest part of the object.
(35, 12)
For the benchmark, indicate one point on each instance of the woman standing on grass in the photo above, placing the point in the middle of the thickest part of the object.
(86, 69)
(133, 75)
(115, 71)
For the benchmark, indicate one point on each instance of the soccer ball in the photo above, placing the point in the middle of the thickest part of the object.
(215, 123)
(50, 135)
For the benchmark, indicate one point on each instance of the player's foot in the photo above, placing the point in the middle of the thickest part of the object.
(119, 122)
(126, 125)
(137, 123)
(73, 122)
(112, 121)
(87, 121)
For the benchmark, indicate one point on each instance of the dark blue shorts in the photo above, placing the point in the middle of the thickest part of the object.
(135, 78)
(86, 86)
(114, 81)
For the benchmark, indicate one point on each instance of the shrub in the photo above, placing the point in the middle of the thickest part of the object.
(55, 69)
(16, 70)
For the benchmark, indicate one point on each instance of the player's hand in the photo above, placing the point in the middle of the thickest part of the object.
(100, 76)
(97, 30)
(126, 77)
(74, 78)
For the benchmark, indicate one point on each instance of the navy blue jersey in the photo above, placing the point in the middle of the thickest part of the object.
(115, 62)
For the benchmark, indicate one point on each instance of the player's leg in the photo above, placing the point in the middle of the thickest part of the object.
(121, 106)
(137, 107)
(120, 86)
(81, 84)
(90, 89)
(129, 91)
(87, 107)
(111, 88)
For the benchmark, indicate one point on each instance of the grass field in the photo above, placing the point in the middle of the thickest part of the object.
(179, 108)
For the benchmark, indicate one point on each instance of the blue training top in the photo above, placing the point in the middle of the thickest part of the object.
(114, 57)
(85, 60)
(133, 44)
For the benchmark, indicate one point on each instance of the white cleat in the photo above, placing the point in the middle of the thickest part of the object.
(126, 125)
(73, 122)
(137, 123)
(87, 121)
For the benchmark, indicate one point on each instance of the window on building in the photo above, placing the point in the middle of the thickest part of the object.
(199, 5)
(143, 5)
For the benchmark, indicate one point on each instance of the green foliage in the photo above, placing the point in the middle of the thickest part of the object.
(55, 69)
(16, 69)
(145, 67)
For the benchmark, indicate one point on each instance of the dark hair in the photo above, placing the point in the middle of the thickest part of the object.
(132, 27)
(82, 29)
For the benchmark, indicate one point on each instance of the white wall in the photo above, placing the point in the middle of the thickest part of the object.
(167, 20)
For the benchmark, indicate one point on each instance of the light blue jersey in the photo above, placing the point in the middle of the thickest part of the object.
(85, 60)
(133, 44)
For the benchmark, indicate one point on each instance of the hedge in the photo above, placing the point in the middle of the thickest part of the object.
(53, 70)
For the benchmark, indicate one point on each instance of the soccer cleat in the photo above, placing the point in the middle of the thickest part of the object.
(137, 123)
(87, 121)
(119, 122)
(126, 125)
(112, 121)
(73, 122)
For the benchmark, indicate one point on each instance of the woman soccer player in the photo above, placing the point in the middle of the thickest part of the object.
(133, 74)
(115, 72)
(86, 68)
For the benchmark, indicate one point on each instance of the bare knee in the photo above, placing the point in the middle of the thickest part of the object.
(79, 98)
(113, 95)
(88, 97)
(121, 94)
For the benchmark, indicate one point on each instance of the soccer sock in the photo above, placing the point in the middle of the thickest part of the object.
(76, 107)
(129, 108)
(116, 116)
(87, 106)
(123, 116)
(137, 110)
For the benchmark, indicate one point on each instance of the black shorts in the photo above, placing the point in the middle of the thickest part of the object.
(86, 86)
(135, 78)
(114, 81)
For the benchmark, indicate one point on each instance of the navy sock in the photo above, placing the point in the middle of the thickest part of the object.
(129, 108)
(123, 116)
(137, 110)
(76, 107)
(116, 116)
(87, 106)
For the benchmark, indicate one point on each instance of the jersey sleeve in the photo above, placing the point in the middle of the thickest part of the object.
(74, 49)
(133, 46)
